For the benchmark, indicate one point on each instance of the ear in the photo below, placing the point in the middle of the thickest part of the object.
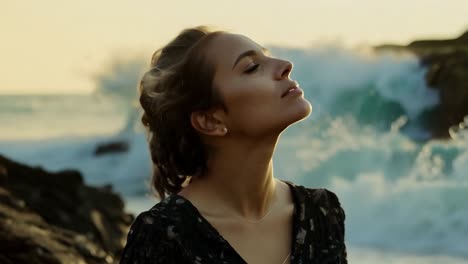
(208, 123)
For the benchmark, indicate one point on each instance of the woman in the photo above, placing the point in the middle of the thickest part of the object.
(215, 104)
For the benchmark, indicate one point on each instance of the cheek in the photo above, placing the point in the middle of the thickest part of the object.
(253, 100)
(253, 107)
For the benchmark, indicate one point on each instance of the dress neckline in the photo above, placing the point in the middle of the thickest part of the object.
(296, 223)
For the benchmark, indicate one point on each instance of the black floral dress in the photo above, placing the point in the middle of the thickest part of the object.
(174, 231)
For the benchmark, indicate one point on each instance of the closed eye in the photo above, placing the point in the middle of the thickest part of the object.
(252, 69)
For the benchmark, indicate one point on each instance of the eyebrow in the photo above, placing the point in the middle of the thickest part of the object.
(248, 53)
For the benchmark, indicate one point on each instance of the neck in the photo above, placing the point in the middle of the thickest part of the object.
(240, 178)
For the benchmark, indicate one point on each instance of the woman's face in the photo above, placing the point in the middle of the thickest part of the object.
(252, 83)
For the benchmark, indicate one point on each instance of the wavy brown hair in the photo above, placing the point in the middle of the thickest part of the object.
(179, 82)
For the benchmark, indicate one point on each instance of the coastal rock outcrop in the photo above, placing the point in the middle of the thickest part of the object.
(53, 217)
(447, 64)
(112, 147)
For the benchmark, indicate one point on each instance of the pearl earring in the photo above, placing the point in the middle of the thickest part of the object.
(225, 130)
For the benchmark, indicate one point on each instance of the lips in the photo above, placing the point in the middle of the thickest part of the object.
(291, 88)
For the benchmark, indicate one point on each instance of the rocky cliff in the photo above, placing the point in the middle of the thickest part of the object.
(53, 217)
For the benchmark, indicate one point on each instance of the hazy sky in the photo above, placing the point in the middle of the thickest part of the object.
(54, 46)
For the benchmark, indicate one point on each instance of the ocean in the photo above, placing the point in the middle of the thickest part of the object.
(405, 195)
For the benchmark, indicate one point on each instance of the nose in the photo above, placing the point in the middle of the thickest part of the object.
(284, 69)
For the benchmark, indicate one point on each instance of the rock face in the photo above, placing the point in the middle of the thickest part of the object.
(447, 63)
(53, 217)
(449, 74)
(112, 147)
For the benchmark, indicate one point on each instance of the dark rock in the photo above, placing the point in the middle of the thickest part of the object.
(53, 217)
(447, 63)
(448, 73)
(3, 174)
(111, 147)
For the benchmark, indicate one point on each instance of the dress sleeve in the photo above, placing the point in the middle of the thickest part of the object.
(150, 241)
(340, 216)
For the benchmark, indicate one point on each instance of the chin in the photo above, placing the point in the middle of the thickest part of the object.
(298, 114)
(294, 114)
(303, 111)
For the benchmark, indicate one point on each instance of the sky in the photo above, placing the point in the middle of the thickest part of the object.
(56, 46)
